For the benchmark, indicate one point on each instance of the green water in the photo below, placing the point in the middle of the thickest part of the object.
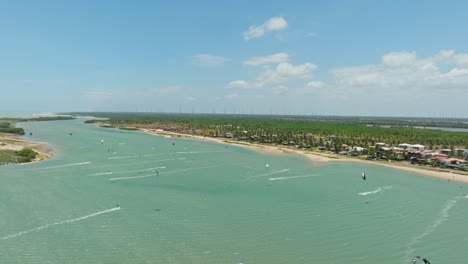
(213, 203)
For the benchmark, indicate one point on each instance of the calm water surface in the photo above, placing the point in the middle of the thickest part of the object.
(112, 196)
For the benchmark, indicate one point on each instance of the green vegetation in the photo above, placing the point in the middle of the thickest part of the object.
(41, 118)
(7, 124)
(22, 156)
(329, 133)
(6, 127)
(105, 126)
(26, 155)
(91, 121)
(48, 118)
(7, 156)
(129, 128)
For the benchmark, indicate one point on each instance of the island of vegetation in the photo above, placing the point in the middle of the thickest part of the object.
(15, 149)
(17, 156)
(396, 141)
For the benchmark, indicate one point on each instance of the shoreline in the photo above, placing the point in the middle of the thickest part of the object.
(320, 157)
(16, 143)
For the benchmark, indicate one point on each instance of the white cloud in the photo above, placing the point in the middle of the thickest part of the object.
(275, 23)
(281, 89)
(312, 87)
(272, 24)
(210, 60)
(455, 73)
(399, 58)
(315, 85)
(286, 71)
(241, 84)
(404, 72)
(462, 59)
(282, 73)
(450, 57)
(271, 59)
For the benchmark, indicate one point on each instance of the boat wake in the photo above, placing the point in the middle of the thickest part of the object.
(123, 172)
(153, 175)
(60, 223)
(101, 173)
(201, 152)
(379, 189)
(139, 156)
(150, 161)
(292, 177)
(266, 174)
(444, 215)
(66, 165)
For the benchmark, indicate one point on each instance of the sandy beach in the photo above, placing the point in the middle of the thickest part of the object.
(16, 143)
(322, 157)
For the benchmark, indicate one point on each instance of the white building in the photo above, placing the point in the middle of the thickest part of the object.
(410, 147)
(416, 148)
(357, 149)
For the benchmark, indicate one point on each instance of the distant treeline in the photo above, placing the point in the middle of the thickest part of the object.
(7, 124)
(42, 118)
(47, 118)
(376, 121)
(302, 130)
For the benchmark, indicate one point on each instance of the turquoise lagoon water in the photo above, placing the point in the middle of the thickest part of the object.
(213, 203)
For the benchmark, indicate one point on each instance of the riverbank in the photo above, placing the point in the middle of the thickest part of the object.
(10, 142)
(322, 157)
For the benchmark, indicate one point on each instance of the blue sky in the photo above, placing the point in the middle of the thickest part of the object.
(390, 58)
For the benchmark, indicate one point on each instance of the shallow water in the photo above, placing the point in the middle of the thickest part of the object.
(104, 202)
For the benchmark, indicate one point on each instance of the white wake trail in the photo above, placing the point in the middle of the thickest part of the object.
(266, 174)
(65, 165)
(292, 177)
(162, 173)
(123, 157)
(444, 215)
(139, 156)
(151, 161)
(122, 172)
(379, 189)
(101, 173)
(201, 152)
(60, 223)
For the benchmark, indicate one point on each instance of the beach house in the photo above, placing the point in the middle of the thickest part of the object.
(410, 147)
